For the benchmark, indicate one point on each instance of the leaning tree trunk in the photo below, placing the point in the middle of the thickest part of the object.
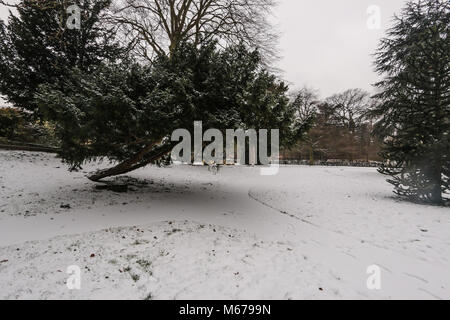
(141, 159)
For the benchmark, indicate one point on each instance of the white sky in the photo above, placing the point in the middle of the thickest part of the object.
(326, 44)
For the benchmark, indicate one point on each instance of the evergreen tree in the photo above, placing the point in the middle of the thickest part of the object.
(126, 112)
(37, 47)
(414, 108)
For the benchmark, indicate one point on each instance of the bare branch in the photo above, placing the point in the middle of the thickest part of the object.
(160, 25)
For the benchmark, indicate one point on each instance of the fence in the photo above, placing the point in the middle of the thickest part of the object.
(332, 163)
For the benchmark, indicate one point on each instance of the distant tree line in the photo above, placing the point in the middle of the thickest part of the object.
(341, 130)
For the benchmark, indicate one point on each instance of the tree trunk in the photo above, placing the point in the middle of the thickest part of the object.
(143, 158)
(436, 190)
(436, 194)
(311, 156)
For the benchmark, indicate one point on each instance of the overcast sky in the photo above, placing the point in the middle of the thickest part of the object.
(326, 44)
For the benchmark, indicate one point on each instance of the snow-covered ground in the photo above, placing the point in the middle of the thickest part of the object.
(185, 233)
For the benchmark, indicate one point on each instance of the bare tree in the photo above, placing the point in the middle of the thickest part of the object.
(349, 107)
(158, 26)
(305, 102)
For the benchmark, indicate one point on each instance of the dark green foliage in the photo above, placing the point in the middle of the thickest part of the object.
(103, 105)
(10, 121)
(120, 111)
(20, 127)
(414, 109)
(36, 47)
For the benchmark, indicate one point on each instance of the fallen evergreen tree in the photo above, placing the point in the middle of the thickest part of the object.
(126, 112)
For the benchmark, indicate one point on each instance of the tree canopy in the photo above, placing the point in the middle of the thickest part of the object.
(36, 47)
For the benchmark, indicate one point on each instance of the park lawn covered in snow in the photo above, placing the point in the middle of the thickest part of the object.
(185, 233)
